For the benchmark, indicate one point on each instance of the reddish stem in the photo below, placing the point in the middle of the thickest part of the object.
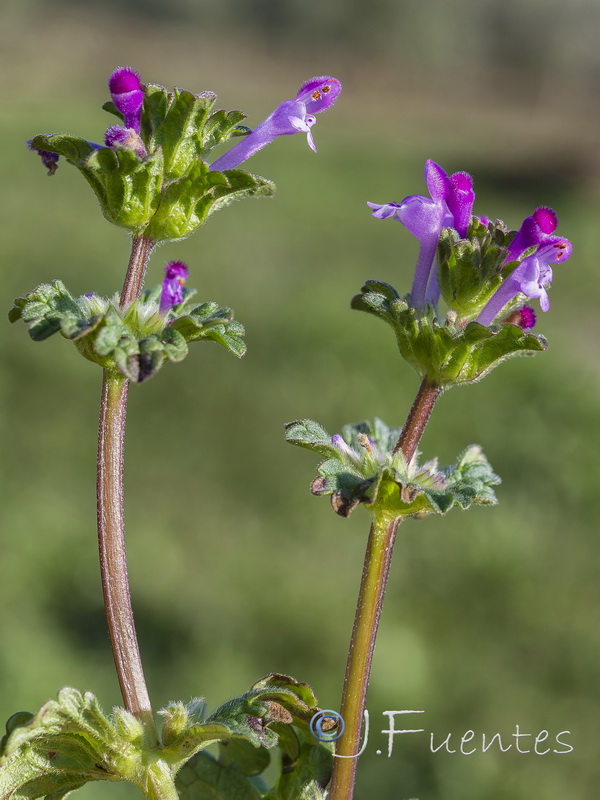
(111, 527)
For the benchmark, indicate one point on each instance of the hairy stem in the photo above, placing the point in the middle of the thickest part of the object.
(360, 656)
(141, 247)
(368, 611)
(417, 419)
(111, 528)
(111, 541)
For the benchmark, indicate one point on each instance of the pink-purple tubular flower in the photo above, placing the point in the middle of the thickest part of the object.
(127, 95)
(449, 206)
(176, 273)
(530, 278)
(291, 116)
(534, 272)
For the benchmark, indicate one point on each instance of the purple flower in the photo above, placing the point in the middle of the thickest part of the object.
(49, 160)
(449, 206)
(176, 273)
(530, 278)
(537, 230)
(127, 95)
(534, 272)
(117, 136)
(291, 116)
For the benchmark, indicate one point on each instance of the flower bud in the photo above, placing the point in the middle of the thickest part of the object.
(127, 95)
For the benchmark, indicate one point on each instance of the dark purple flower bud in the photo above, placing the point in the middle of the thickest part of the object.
(291, 116)
(176, 273)
(537, 230)
(528, 318)
(117, 136)
(49, 160)
(524, 317)
(127, 95)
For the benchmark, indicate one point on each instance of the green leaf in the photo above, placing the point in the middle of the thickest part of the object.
(175, 345)
(211, 322)
(245, 756)
(155, 108)
(220, 127)
(306, 777)
(66, 744)
(274, 700)
(179, 133)
(44, 308)
(73, 148)
(269, 707)
(150, 359)
(187, 203)
(127, 186)
(205, 778)
(111, 108)
(70, 742)
(309, 434)
(110, 333)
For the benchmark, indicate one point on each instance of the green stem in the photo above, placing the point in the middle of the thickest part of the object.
(368, 611)
(160, 784)
(111, 528)
(360, 656)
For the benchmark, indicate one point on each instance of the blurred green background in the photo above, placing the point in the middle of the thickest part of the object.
(491, 616)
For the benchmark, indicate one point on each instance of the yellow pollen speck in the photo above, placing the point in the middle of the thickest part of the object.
(326, 88)
(316, 95)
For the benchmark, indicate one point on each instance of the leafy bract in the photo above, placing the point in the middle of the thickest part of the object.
(362, 468)
(444, 352)
(135, 341)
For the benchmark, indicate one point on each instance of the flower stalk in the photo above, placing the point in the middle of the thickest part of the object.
(376, 568)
